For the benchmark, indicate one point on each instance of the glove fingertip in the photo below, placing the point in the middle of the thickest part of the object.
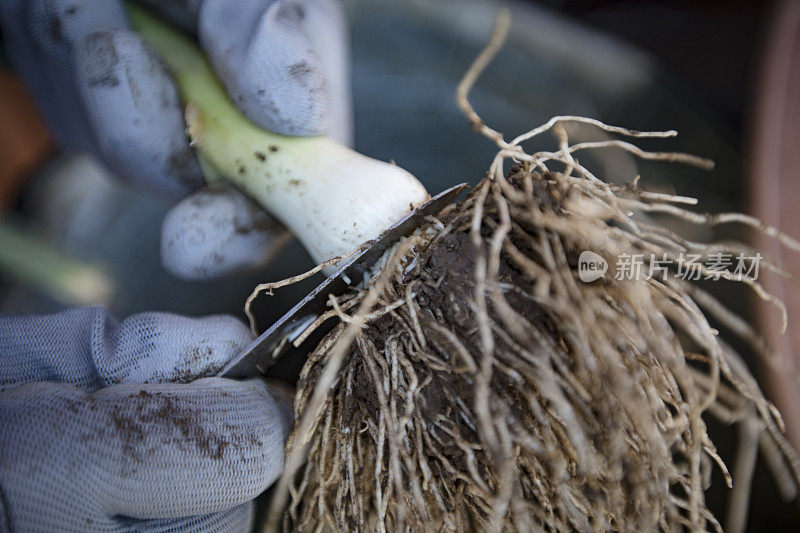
(218, 231)
(271, 72)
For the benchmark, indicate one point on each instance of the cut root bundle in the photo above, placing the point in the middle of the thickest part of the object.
(476, 382)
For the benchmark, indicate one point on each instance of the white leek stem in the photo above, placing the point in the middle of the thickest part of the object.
(331, 197)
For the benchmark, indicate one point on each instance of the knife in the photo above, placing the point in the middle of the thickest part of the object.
(277, 340)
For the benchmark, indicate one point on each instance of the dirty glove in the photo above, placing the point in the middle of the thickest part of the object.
(283, 62)
(104, 425)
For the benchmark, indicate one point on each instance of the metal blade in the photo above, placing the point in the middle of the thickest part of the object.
(277, 340)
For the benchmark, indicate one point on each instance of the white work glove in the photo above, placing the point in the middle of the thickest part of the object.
(106, 426)
(283, 62)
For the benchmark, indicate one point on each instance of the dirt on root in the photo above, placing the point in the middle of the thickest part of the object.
(491, 388)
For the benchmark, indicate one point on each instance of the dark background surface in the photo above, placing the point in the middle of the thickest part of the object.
(711, 47)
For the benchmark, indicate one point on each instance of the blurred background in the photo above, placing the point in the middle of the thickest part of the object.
(724, 74)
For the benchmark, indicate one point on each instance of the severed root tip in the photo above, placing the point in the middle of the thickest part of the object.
(193, 124)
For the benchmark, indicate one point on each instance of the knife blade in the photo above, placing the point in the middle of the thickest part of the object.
(277, 340)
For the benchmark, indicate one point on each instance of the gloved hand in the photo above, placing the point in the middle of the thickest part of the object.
(106, 426)
(283, 62)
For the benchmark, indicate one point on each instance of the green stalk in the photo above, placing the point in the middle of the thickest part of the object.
(34, 263)
(331, 197)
